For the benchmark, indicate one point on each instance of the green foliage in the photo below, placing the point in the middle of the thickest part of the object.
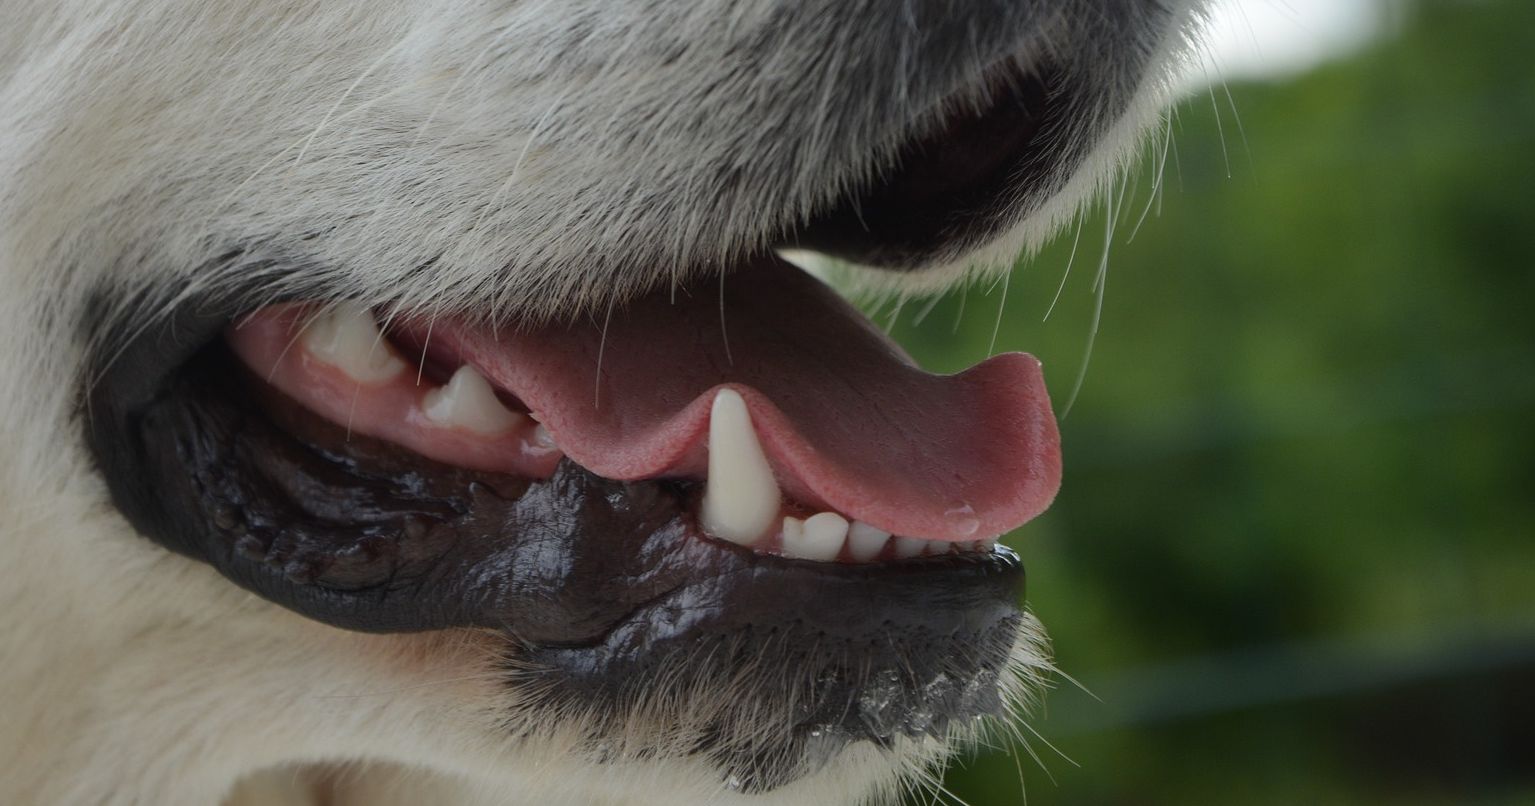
(1295, 549)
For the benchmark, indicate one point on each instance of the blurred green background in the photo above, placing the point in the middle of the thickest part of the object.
(1294, 554)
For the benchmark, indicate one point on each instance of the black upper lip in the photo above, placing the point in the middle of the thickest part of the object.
(952, 183)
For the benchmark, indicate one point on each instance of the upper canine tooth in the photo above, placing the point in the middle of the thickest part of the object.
(865, 542)
(819, 537)
(468, 401)
(348, 338)
(741, 499)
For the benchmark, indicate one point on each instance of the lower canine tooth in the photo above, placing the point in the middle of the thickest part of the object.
(818, 537)
(865, 542)
(468, 402)
(741, 498)
(347, 337)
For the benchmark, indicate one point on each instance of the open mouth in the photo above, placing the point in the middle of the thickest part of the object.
(809, 433)
(738, 479)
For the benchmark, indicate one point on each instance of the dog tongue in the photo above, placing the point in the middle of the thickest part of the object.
(848, 421)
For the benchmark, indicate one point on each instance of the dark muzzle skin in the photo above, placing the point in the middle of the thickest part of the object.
(955, 185)
(606, 589)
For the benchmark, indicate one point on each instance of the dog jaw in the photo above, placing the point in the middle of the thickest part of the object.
(491, 142)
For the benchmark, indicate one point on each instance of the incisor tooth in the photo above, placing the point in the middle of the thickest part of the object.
(741, 499)
(865, 542)
(908, 547)
(818, 537)
(469, 402)
(348, 338)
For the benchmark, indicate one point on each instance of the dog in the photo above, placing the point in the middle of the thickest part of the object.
(409, 404)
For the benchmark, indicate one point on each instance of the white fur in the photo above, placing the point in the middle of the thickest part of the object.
(364, 139)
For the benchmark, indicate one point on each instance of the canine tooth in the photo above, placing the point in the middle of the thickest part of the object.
(741, 499)
(908, 547)
(542, 438)
(865, 542)
(818, 537)
(348, 338)
(468, 401)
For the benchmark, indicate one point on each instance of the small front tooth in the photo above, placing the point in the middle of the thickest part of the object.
(347, 337)
(818, 537)
(908, 547)
(741, 498)
(937, 547)
(542, 439)
(865, 542)
(468, 402)
(793, 531)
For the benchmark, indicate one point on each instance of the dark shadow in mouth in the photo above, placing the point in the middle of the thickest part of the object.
(603, 588)
(951, 185)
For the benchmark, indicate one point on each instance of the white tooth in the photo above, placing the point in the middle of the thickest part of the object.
(469, 402)
(908, 547)
(818, 537)
(542, 439)
(937, 547)
(865, 542)
(741, 499)
(348, 338)
(793, 530)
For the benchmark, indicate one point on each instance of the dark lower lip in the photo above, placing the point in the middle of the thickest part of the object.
(604, 586)
(292, 495)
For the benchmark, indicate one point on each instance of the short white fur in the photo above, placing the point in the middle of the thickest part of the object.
(470, 155)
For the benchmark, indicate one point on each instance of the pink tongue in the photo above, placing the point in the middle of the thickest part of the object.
(846, 418)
